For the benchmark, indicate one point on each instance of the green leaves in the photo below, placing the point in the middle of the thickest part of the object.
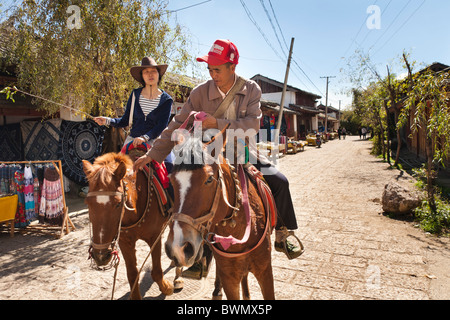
(87, 68)
(10, 92)
(428, 104)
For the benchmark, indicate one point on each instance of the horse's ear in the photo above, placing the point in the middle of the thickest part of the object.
(120, 171)
(87, 167)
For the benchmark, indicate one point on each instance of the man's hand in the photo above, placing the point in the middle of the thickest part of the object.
(141, 162)
(209, 122)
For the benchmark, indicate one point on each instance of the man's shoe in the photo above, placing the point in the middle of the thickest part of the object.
(198, 270)
(291, 250)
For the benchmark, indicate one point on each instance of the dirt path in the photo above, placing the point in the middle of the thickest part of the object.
(352, 250)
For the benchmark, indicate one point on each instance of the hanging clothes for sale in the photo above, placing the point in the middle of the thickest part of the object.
(28, 193)
(38, 185)
(51, 208)
(18, 185)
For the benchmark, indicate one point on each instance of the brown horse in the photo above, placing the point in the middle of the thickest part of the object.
(202, 211)
(121, 206)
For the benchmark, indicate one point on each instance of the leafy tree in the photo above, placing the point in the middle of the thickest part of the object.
(78, 53)
(378, 97)
(427, 104)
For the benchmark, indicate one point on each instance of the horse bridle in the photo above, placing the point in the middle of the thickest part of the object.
(112, 244)
(198, 223)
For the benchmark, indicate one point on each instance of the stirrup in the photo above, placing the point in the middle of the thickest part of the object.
(286, 234)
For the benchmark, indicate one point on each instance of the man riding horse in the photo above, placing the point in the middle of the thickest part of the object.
(244, 112)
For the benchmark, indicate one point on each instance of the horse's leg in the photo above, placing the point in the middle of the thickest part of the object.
(217, 293)
(178, 282)
(230, 280)
(245, 291)
(264, 276)
(128, 249)
(165, 286)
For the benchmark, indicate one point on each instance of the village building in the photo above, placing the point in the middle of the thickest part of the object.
(300, 112)
(329, 115)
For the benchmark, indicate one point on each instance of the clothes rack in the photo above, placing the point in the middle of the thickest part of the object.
(66, 225)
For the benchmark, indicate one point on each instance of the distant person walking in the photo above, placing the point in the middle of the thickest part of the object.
(364, 132)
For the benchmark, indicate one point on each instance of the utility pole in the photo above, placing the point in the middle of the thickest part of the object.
(326, 102)
(339, 114)
(280, 116)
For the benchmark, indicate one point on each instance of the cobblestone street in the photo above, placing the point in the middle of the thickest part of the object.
(352, 251)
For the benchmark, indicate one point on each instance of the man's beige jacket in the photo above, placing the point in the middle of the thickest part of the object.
(206, 97)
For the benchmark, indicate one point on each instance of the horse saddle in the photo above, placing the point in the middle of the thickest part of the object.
(264, 192)
(159, 181)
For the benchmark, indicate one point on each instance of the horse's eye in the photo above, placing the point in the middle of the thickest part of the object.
(210, 179)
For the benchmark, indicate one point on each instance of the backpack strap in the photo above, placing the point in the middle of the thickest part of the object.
(130, 120)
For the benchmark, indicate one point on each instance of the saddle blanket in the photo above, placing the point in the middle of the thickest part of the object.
(264, 191)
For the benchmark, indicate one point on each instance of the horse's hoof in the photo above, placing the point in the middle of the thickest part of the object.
(178, 284)
(218, 297)
(166, 288)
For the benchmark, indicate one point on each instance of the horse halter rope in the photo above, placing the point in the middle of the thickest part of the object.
(112, 244)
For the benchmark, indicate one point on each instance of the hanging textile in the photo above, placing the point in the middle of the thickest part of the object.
(28, 192)
(39, 189)
(79, 141)
(20, 220)
(36, 193)
(51, 208)
(5, 179)
(41, 139)
(11, 142)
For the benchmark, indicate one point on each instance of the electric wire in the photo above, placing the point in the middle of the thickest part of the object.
(404, 23)
(281, 46)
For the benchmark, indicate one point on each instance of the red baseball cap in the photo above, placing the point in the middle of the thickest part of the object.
(222, 51)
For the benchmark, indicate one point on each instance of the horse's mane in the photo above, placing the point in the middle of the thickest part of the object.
(191, 155)
(105, 165)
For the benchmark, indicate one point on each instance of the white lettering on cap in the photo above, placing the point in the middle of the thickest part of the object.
(216, 49)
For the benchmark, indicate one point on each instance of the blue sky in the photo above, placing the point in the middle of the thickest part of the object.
(326, 32)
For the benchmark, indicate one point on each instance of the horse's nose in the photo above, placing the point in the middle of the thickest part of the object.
(102, 257)
(180, 254)
(188, 250)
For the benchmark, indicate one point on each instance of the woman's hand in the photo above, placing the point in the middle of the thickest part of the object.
(101, 121)
(138, 141)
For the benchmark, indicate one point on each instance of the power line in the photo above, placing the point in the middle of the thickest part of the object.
(194, 5)
(250, 16)
(271, 23)
(276, 20)
(392, 22)
(382, 13)
(404, 23)
(284, 40)
(354, 39)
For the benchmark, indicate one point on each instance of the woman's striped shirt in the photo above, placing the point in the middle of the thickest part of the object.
(148, 105)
